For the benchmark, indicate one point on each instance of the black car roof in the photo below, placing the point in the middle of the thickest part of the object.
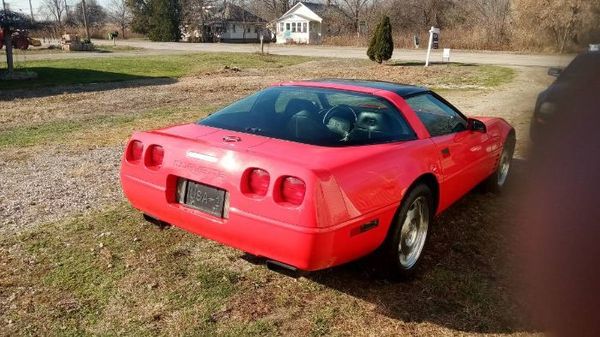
(403, 90)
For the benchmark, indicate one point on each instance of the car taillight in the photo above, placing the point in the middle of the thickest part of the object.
(135, 150)
(155, 156)
(258, 182)
(292, 190)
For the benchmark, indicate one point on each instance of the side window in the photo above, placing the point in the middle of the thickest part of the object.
(438, 118)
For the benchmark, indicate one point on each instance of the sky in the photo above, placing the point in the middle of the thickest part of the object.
(23, 5)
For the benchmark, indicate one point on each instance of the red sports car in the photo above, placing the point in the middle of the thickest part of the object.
(313, 174)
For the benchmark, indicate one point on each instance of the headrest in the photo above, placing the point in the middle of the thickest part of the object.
(295, 105)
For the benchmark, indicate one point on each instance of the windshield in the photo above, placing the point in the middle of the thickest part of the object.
(580, 68)
(317, 116)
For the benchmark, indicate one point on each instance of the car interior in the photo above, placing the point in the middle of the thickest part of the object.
(344, 123)
(320, 117)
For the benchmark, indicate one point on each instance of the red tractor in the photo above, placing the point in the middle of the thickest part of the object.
(20, 40)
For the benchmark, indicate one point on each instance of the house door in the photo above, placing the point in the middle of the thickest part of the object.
(314, 32)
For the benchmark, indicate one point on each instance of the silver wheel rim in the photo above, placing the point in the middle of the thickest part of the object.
(413, 232)
(503, 169)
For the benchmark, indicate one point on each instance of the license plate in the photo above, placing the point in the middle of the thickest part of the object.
(205, 198)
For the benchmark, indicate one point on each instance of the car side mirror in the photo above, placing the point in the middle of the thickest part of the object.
(476, 125)
(555, 71)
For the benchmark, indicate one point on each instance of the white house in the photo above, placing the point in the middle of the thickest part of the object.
(231, 23)
(300, 24)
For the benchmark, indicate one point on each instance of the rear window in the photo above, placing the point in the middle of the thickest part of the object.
(316, 116)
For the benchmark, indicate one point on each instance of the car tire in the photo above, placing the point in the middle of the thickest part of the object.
(407, 237)
(497, 180)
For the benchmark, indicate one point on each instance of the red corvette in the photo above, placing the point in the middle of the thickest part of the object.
(314, 174)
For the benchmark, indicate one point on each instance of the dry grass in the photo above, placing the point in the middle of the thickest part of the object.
(109, 273)
(107, 113)
(476, 39)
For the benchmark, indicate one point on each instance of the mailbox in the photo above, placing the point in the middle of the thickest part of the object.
(435, 37)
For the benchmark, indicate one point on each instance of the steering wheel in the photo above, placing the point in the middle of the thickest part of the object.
(339, 109)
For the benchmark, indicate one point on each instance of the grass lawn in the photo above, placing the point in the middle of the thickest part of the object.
(98, 130)
(112, 127)
(110, 273)
(107, 69)
(55, 49)
(107, 272)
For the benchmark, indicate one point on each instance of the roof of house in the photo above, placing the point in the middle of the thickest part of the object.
(306, 10)
(231, 12)
(318, 8)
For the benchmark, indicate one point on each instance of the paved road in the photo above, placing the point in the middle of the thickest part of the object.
(407, 55)
(499, 58)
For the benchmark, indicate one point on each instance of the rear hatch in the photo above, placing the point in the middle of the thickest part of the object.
(214, 163)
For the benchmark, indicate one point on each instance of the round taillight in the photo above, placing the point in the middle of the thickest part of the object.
(258, 182)
(293, 190)
(136, 148)
(155, 156)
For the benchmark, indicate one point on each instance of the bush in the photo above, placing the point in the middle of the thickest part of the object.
(165, 20)
(381, 46)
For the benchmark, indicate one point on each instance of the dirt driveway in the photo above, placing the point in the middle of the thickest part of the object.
(405, 55)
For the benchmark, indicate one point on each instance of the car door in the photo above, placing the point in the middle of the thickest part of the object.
(461, 151)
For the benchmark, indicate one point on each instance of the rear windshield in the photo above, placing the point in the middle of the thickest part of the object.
(316, 116)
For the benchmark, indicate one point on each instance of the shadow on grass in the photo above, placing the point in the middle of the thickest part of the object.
(464, 281)
(53, 81)
(422, 64)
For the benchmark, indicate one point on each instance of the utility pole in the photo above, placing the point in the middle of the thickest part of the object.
(3, 5)
(31, 10)
(85, 23)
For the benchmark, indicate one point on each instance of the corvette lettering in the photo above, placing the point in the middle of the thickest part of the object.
(202, 171)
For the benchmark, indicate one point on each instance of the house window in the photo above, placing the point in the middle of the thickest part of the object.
(248, 29)
(287, 26)
(281, 27)
(233, 28)
(293, 27)
(303, 27)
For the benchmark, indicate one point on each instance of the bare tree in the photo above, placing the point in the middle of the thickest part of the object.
(492, 16)
(277, 7)
(356, 9)
(560, 20)
(120, 14)
(55, 9)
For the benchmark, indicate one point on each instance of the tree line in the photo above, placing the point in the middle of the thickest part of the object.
(550, 25)
(60, 17)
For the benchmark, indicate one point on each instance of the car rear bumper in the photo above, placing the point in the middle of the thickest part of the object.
(305, 248)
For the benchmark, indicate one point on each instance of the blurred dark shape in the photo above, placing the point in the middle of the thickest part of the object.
(560, 231)
(556, 99)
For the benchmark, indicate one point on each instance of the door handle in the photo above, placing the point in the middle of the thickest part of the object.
(446, 152)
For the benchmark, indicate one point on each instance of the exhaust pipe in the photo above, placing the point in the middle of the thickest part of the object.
(285, 269)
(158, 223)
